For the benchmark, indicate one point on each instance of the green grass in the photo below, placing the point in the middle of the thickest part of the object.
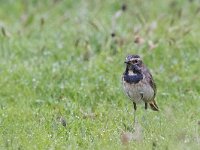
(59, 63)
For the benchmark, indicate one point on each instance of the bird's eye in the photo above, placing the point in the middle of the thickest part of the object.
(135, 61)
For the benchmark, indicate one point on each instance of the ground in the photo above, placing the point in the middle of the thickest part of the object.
(61, 63)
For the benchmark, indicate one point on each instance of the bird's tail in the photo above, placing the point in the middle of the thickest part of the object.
(153, 105)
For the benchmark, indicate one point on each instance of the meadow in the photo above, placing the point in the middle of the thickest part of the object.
(61, 63)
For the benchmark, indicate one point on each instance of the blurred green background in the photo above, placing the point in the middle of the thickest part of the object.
(61, 63)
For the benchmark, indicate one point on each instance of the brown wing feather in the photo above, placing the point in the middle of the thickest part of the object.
(150, 80)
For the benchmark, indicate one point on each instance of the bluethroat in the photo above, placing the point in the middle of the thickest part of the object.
(138, 83)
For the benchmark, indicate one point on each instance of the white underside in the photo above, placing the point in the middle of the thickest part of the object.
(140, 92)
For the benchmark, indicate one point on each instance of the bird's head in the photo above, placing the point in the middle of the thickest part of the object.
(133, 62)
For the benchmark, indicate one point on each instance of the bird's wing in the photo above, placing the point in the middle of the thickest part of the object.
(150, 80)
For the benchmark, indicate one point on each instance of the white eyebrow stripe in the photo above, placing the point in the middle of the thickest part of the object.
(134, 59)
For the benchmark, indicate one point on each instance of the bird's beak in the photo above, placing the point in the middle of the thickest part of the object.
(126, 62)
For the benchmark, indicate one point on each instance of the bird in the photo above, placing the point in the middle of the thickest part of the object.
(138, 83)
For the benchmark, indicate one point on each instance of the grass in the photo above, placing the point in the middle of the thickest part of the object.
(60, 73)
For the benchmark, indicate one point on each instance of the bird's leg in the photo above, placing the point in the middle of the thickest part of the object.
(142, 95)
(145, 113)
(146, 105)
(135, 108)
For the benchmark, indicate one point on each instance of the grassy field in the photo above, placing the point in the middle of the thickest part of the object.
(61, 63)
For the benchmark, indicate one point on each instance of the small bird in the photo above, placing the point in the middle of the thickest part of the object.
(138, 83)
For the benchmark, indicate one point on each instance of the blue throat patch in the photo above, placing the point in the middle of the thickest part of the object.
(133, 78)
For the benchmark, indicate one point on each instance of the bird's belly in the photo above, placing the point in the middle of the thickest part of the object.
(139, 92)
